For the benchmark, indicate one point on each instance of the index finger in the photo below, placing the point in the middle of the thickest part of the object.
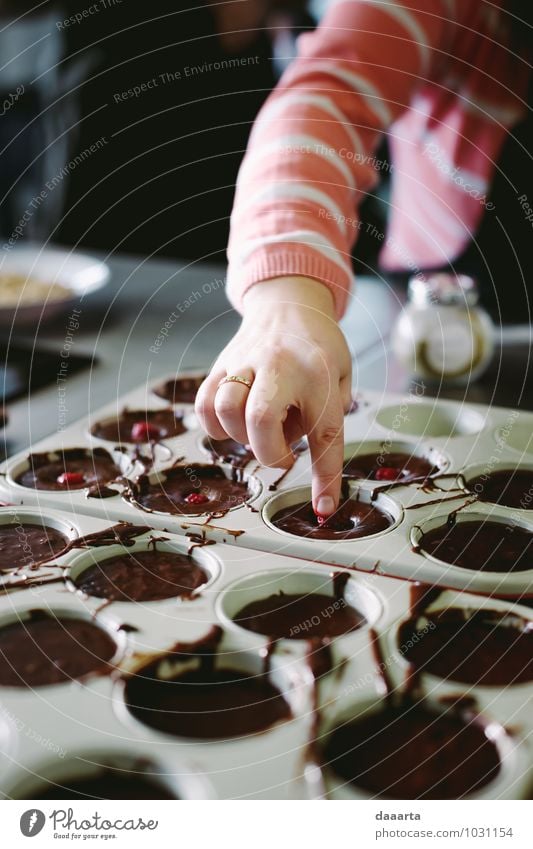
(324, 424)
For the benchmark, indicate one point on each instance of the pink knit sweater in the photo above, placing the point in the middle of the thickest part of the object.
(439, 77)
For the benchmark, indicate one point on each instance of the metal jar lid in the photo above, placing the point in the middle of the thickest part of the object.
(443, 289)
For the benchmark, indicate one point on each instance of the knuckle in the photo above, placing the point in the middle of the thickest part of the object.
(225, 407)
(260, 416)
(329, 434)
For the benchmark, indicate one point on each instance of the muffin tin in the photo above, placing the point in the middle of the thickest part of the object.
(76, 730)
(459, 440)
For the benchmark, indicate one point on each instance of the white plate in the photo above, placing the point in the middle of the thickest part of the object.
(79, 273)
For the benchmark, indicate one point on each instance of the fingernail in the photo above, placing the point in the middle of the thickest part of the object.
(325, 506)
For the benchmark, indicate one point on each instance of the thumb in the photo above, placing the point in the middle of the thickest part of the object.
(325, 433)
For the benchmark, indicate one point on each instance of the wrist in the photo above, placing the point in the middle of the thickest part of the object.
(287, 292)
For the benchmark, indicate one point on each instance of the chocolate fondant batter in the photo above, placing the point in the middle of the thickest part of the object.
(410, 753)
(299, 617)
(24, 544)
(208, 489)
(509, 487)
(302, 617)
(229, 451)
(484, 647)
(395, 466)
(44, 649)
(181, 390)
(481, 546)
(204, 702)
(140, 426)
(143, 576)
(85, 468)
(353, 519)
(107, 784)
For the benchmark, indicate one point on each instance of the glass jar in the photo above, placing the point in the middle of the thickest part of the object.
(443, 335)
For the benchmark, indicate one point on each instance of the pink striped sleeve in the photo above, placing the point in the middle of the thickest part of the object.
(310, 157)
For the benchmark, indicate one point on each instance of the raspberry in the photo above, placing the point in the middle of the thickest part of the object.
(387, 473)
(71, 478)
(144, 432)
(196, 498)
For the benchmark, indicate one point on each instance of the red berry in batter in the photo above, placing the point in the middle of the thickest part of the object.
(144, 432)
(387, 473)
(71, 479)
(196, 498)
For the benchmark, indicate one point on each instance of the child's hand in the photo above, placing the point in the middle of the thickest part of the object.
(291, 348)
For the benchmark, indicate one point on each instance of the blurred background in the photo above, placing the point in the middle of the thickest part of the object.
(121, 106)
(122, 128)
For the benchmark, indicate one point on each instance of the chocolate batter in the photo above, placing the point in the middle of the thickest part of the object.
(385, 466)
(180, 390)
(24, 544)
(353, 519)
(409, 752)
(205, 702)
(229, 451)
(481, 546)
(140, 426)
(48, 650)
(302, 617)
(484, 647)
(106, 784)
(193, 489)
(74, 468)
(143, 576)
(509, 487)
